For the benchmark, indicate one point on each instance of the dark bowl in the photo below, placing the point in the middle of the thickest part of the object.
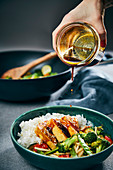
(47, 162)
(25, 90)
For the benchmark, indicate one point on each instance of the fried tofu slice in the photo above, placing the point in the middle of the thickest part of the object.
(51, 144)
(59, 134)
(66, 122)
(72, 131)
(74, 123)
(44, 138)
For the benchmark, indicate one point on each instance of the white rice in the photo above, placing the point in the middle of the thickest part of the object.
(27, 135)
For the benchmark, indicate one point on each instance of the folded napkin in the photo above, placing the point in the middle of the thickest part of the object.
(91, 88)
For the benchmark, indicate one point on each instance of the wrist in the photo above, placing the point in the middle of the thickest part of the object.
(97, 4)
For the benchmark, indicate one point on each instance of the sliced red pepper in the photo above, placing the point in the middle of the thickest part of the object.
(109, 139)
(34, 150)
(64, 156)
(43, 145)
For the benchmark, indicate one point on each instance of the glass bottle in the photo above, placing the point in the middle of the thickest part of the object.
(78, 44)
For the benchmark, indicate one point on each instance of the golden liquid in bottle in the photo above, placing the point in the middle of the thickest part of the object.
(78, 44)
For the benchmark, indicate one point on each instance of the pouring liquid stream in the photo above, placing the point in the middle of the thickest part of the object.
(72, 73)
(70, 57)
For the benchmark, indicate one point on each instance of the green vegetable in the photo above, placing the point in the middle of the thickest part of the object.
(100, 144)
(39, 73)
(65, 146)
(96, 143)
(41, 152)
(53, 74)
(7, 77)
(90, 129)
(27, 77)
(52, 151)
(84, 145)
(34, 76)
(73, 153)
(100, 131)
(90, 137)
(82, 134)
(99, 148)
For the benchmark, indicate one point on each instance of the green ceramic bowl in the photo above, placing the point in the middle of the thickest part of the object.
(49, 163)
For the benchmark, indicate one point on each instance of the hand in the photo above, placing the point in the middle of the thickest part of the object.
(90, 11)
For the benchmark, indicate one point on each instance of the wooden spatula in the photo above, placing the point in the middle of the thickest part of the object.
(18, 72)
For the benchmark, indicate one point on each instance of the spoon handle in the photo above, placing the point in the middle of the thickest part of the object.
(41, 60)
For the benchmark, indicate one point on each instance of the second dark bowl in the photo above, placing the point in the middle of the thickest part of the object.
(26, 90)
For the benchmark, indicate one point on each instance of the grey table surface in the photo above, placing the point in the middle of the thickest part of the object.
(9, 111)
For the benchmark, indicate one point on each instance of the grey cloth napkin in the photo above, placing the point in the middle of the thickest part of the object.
(91, 88)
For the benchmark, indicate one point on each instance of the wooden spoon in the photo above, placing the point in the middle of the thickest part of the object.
(18, 72)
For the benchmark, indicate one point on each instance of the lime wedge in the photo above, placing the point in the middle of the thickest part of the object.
(84, 45)
(46, 69)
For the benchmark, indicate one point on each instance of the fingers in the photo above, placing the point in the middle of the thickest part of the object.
(54, 36)
(66, 20)
(56, 32)
(102, 33)
(103, 39)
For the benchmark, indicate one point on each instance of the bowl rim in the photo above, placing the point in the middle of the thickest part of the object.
(63, 106)
(39, 51)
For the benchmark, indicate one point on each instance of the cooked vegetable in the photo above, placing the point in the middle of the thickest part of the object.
(90, 137)
(109, 139)
(8, 77)
(27, 76)
(100, 144)
(43, 145)
(46, 70)
(90, 129)
(84, 145)
(52, 151)
(63, 137)
(39, 73)
(65, 146)
(38, 151)
(100, 130)
(73, 153)
(96, 143)
(34, 76)
(64, 156)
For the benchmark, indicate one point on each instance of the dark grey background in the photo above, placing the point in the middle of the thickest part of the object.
(28, 24)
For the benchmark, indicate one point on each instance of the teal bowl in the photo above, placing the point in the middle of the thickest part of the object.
(50, 163)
